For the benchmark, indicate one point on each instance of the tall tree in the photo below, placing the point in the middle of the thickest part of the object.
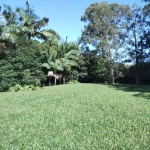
(49, 55)
(23, 21)
(8, 26)
(30, 24)
(146, 35)
(101, 30)
(134, 37)
(60, 58)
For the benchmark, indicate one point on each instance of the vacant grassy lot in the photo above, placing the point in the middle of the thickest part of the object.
(76, 117)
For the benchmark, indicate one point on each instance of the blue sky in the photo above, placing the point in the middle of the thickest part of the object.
(64, 15)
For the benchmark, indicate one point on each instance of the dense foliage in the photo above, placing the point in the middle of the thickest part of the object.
(114, 47)
(21, 66)
(119, 33)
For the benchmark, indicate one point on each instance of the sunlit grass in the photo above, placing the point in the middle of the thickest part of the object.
(79, 116)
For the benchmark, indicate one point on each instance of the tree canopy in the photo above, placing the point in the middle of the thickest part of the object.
(114, 46)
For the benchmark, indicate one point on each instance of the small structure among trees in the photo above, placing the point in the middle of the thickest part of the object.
(56, 77)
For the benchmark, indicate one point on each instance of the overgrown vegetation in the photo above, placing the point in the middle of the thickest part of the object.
(113, 36)
(18, 87)
(21, 66)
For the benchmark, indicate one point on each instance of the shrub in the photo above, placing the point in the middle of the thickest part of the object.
(21, 66)
(18, 87)
(73, 82)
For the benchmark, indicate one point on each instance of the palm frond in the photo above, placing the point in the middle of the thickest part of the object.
(50, 35)
(8, 8)
(2, 16)
(71, 52)
(54, 33)
(8, 36)
(10, 16)
(46, 65)
(42, 23)
(10, 28)
(73, 63)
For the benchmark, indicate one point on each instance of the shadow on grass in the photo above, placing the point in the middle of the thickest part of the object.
(143, 90)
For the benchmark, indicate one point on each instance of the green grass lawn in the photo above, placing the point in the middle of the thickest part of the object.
(76, 117)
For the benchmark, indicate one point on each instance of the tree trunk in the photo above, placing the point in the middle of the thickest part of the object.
(112, 73)
(137, 78)
(137, 66)
(136, 57)
(111, 68)
(137, 72)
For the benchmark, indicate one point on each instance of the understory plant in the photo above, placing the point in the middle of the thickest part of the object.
(18, 87)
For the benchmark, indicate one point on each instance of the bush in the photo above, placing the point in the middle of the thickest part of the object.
(73, 82)
(21, 66)
(18, 87)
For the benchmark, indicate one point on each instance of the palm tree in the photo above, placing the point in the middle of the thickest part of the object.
(69, 53)
(30, 24)
(8, 25)
(23, 22)
(59, 58)
(49, 55)
(53, 63)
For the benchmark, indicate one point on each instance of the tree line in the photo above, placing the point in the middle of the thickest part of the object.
(114, 47)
